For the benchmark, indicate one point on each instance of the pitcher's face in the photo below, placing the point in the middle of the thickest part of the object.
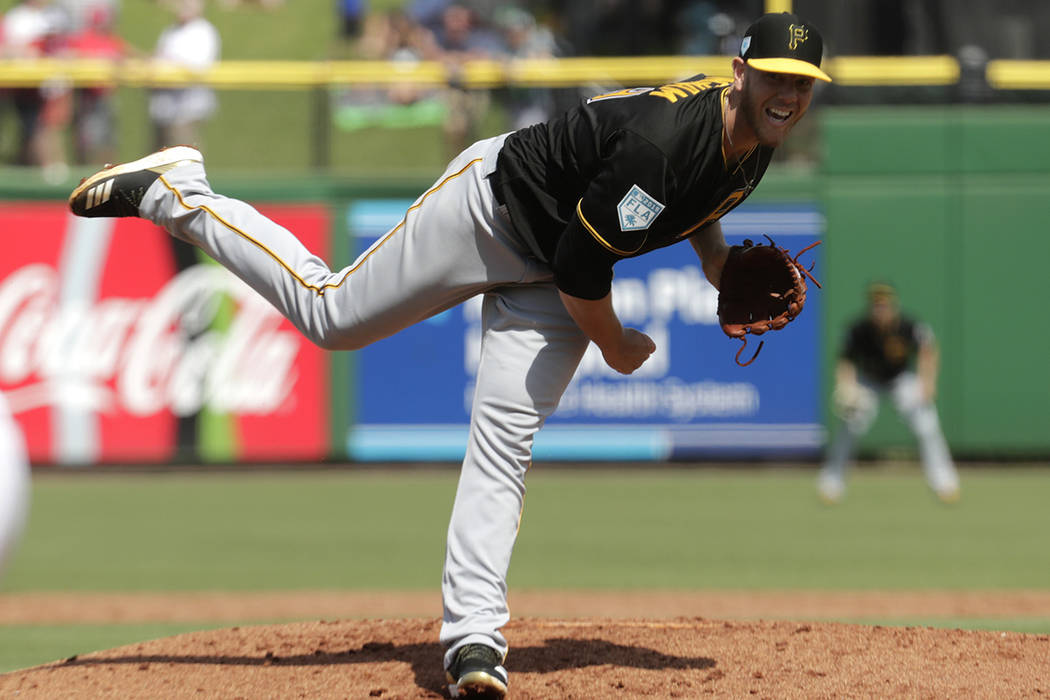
(772, 103)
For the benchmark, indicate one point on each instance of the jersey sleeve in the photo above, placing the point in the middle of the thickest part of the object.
(622, 202)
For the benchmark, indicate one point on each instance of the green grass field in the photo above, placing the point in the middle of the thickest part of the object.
(582, 529)
(753, 529)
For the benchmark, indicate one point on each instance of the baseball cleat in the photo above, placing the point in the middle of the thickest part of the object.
(949, 495)
(477, 673)
(830, 491)
(117, 190)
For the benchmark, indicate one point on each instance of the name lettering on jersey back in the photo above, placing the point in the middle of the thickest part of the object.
(676, 91)
(630, 92)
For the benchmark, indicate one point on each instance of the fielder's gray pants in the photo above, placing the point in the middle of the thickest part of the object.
(454, 242)
(920, 416)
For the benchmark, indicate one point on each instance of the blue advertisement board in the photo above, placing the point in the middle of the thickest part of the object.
(690, 400)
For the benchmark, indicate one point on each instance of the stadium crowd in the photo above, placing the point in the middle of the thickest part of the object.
(453, 32)
(440, 30)
(69, 29)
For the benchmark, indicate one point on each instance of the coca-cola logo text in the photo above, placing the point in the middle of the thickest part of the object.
(146, 355)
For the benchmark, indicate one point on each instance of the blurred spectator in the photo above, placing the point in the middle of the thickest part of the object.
(93, 116)
(621, 27)
(695, 20)
(524, 38)
(351, 18)
(460, 40)
(392, 36)
(264, 4)
(427, 13)
(34, 29)
(876, 362)
(81, 13)
(23, 29)
(708, 28)
(193, 43)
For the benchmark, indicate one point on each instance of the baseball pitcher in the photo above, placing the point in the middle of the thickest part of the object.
(535, 221)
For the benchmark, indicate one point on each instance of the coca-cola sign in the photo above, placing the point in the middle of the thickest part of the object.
(142, 356)
(103, 345)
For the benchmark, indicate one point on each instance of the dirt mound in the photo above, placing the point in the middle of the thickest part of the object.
(560, 659)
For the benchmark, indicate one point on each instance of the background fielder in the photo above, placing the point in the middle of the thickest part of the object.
(877, 360)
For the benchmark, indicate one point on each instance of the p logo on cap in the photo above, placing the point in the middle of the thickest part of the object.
(780, 42)
(798, 34)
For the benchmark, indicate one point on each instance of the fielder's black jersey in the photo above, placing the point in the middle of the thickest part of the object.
(620, 175)
(881, 354)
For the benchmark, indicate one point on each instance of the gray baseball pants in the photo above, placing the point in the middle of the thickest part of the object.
(455, 242)
(920, 416)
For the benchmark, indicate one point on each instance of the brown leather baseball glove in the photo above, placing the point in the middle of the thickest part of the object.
(762, 289)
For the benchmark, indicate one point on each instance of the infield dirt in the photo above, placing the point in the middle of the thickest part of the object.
(571, 658)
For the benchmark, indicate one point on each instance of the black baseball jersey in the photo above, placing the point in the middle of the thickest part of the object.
(881, 354)
(620, 175)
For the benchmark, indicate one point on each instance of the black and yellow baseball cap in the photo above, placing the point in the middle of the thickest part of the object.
(881, 290)
(780, 42)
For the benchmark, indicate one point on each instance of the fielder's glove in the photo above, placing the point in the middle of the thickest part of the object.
(762, 289)
(855, 404)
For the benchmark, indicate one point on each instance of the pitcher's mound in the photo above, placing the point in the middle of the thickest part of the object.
(559, 659)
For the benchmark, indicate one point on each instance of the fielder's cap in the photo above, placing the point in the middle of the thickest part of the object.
(880, 289)
(780, 42)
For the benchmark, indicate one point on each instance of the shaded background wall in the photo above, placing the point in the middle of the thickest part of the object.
(951, 204)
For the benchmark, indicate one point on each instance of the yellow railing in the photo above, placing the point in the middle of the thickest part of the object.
(648, 70)
(894, 70)
(256, 75)
(1019, 75)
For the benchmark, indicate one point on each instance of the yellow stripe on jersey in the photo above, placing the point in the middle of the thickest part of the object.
(597, 236)
(415, 206)
(721, 210)
(303, 283)
(673, 92)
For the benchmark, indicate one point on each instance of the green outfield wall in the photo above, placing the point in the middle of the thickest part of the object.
(953, 205)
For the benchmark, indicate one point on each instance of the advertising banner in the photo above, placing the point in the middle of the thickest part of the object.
(106, 347)
(689, 400)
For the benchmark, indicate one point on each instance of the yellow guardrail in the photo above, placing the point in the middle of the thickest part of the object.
(1019, 75)
(636, 70)
(256, 75)
(894, 70)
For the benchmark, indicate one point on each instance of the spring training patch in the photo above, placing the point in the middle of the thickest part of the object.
(637, 210)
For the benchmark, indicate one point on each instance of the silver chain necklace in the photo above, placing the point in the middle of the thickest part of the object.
(750, 181)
